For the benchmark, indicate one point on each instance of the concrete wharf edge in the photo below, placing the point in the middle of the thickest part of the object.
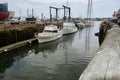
(105, 64)
(16, 45)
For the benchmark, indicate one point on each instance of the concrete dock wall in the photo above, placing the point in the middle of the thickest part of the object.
(105, 64)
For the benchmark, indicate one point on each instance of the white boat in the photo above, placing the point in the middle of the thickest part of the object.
(81, 25)
(68, 28)
(50, 33)
(89, 23)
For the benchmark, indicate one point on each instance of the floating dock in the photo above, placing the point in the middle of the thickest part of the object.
(16, 45)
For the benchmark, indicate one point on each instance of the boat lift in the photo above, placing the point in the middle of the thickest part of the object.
(56, 12)
(64, 7)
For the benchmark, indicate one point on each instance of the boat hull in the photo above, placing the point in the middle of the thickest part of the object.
(44, 39)
(80, 25)
(69, 28)
(66, 31)
(3, 16)
(89, 23)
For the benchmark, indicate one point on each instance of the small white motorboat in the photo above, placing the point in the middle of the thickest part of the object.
(81, 25)
(50, 33)
(68, 28)
(89, 23)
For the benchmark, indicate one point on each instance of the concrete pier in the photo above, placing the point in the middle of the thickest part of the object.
(105, 64)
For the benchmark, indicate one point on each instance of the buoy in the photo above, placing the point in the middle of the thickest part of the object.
(6, 50)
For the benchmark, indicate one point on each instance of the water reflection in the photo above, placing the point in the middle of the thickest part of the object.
(63, 59)
(66, 45)
(47, 48)
(80, 33)
(87, 40)
(6, 61)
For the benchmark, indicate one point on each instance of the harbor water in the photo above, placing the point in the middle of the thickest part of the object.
(63, 59)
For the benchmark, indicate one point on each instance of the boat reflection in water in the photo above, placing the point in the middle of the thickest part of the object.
(46, 48)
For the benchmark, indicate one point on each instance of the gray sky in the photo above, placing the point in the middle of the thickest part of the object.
(101, 8)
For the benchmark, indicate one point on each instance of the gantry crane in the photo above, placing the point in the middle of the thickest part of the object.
(56, 9)
(66, 7)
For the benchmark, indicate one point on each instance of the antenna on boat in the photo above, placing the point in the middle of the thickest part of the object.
(67, 6)
(67, 3)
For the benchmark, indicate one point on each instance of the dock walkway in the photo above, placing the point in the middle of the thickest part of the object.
(105, 64)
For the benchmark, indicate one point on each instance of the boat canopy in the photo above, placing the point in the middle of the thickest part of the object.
(68, 24)
(50, 28)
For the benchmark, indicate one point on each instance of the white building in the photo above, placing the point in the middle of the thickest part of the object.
(11, 14)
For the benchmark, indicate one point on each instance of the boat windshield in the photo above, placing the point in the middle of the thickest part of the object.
(53, 31)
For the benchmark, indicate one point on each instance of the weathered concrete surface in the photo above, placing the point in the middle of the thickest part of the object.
(106, 63)
(104, 26)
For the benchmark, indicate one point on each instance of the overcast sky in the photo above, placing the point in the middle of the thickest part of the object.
(101, 8)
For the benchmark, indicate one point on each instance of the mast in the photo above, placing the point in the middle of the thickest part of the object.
(89, 10)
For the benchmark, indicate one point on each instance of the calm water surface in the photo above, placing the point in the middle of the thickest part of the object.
(63, 59)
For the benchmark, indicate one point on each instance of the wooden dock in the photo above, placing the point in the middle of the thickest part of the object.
(105, 64)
